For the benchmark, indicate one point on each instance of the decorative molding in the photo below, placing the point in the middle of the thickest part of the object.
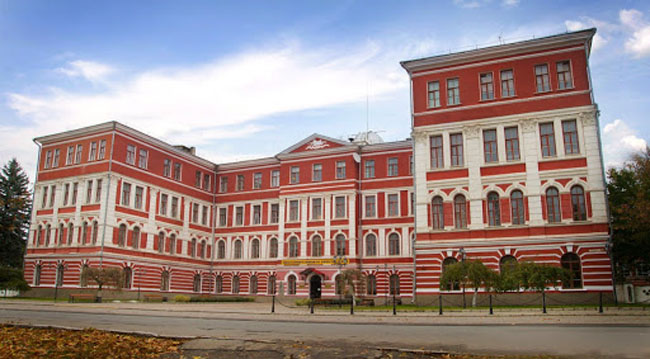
(471, 131)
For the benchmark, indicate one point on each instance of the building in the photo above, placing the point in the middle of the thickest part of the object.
(504, 165)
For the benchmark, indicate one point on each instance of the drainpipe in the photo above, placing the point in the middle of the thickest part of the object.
(33, 212)
(108, 191)
(213, 224)
(414, 205)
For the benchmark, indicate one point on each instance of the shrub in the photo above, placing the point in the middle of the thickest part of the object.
(181, 298)
(209, 299)
(303, 302)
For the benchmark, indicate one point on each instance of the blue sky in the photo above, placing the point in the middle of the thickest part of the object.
(247, 79)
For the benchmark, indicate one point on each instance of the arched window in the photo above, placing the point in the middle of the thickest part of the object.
(172, 244)
(83, 279)
(316, 246)
(338, 285)
(237, 249)
(60, 235)
(291, 285)
(218, 284)
(437, 215)
(253, 285)
(121, 235)
(340, 245)
(273, 248)
(517, 207)
(235, 284)
(507, 263)
(371, 245)
(394, 284)
(95, 231)
(255, 248)
(446, 263)
(193, 247)
(293, 246)
(571, 262)
(270, 289)
(460, 212)
(164, 281)
(135, 237)
(371, 285)
(221, 249)
(553, 205)
(48, 234)
(39, 235)
(494, 210)
(71, 233)
(393, 244)
(59, 275)
(127, 274)
(578, 203)
(196, 285)
(37, 274)
(204, 248)
(161, 242)
(84, 232)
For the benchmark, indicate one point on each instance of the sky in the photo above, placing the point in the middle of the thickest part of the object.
(247, 79)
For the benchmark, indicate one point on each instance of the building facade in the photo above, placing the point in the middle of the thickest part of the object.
(504, 165)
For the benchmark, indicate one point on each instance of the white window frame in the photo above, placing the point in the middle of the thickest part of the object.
(387, 204)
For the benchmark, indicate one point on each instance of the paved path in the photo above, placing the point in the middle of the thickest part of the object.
(516, 332)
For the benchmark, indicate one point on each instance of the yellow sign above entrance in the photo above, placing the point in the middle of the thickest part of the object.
(311, 262)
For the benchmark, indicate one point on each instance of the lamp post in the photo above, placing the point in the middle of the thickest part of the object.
(462, 253)
(386, 293)
(338, 259)
(395, 286)
(58, 278)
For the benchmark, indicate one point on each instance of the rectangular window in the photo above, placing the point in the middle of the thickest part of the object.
(195, 212)
(102, 149)
(174, 208)
(295, 175)
(223, 213)
(411, 164)
(204, 216)
(55, 161)
(370, 168)
(198, 176)
(490, 146)
(564, 75)
(239, 216)
(293, 210)
(436, 152)
(52, 196)
(317, 172)
(92, 154)
(541, 78)
(44, 201)
(456, 140)
(143, 159)
(206, 182)
(48, 159)
(393, 168)
(223, 184)
(75, 190)
(371, 206)
(275, 178)
(570, 132)
(167, 167)
(70, 158)
(240, 182)
(453, 92)
(547, 137)
(340, 169)
(163, 204)
(316, 208)
(130, 154)
(339, 207)
(139, 195)
(275, 213)
(77, 154)
(507, 83)
(98, 191)
(512, 143)
(177, 171)
(487, 87)
(89, 191)
(66, 194)
(433, 90)
(257, 214)
(257, 180)
(393, 205)
(126, 194)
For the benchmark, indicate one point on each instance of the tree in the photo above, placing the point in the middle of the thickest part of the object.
(12, 279)
(103, 277)
(538, 277)
(15, 204)
(349, 279)
(469, 273)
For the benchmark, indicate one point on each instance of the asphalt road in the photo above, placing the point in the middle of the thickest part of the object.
(584, 340)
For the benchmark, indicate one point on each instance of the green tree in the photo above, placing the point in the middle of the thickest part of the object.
(350, 279)
(538, 277)
(15, 202)
(103, 277)
(469, 273)
(12, 279)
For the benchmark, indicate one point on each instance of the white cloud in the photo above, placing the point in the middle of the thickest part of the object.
(92, 71)
(639, 42)
(599, 40)
(469, 4)
(510, 3)
(619, 142)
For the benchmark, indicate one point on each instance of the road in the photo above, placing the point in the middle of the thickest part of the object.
(579, 340)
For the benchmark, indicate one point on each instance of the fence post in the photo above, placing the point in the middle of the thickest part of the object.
(544, 302)
(273, 304)
(311, 306)
(394, 305)
(352, 306)
(600, 302)
(491, 311)
(440, 304)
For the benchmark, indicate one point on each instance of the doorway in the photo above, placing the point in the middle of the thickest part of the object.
(315, 286)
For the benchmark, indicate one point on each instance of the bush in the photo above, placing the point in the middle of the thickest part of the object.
(303, 302)
(181, 298)
(210, 299)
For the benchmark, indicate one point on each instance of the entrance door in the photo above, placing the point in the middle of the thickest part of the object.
(314, 286)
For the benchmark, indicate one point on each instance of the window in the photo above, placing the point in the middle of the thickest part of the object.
(174, 207)
(316, 246)
(235, 284)
(253, 284)
(316, 208)
(393, 244)
(204, 216)
(239, 216)
(295, 175)
(340, 245)
(494, 210)
(92, 154)
(55, 161)
(172, 244)
(59, 239)
(218, 284)
(197, 179)
(507, 83)
(193, 247)
(411, 164)
(371, 207)
(487, 87)
(393, 205)
(52, 195)
(195, 212)
(130, 154)
(237, 253)
(436, 152)
(541, 78)
(223, 212)
(75, 189)
(70, 157)
(163, 204)
(48, 159)
(371, 245)
(135, 237)
(370, 168)
(48, 235)
(339, 207)
(371, 284)
(102, 149)
(223, 184)
(456, 140)
(164, 281)
(570, 137)
(564, 75)
(437, 213)
(257, 214)
(275, 213)
(98, 191)
(553, 205)
(275, 178)
(77, 154)
(89, 191)
(221, 250)
(507, 264)
(291, 285)
(392, 167)
(394, 284)
(138, 197)
(578, 203)
(177, 171)
(71, 232)
(271, 285)
(512, 143)
(547, 137)
(273, 248)
(206, 182)
(460, 212)
(517, 207)
(446, 263)
(196, 283)
(126, 194)
(433, 90)
(66, 193)
(37, 275)
(571, 262)
(121, 235)
(255, 248)
(84, 233)
(257, 180)
(340, 169)
(490, 146)
(293, 246)
(161, 242)
(240, 183)
(317, 172)
(453, 92)
(293, 210)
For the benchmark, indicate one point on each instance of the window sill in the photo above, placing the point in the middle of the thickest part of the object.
(508, 97)
(543, 92)
(488, 100)
(565, 89)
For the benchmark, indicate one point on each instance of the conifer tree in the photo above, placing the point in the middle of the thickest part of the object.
(15, 208)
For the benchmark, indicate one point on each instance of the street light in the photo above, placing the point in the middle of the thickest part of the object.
(395, 286)
(339, 259)
(462, 253)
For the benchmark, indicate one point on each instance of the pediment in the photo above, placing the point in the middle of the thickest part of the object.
(315, 142)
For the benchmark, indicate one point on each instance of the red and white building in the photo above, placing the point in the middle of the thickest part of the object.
(504, 165)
